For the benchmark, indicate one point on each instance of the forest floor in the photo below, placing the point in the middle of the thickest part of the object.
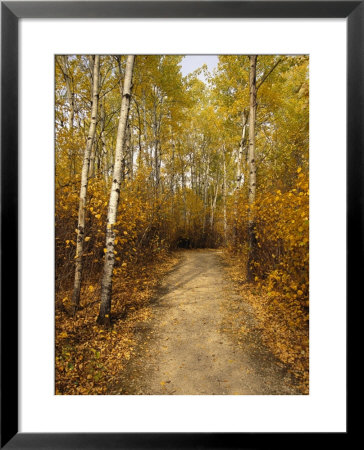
(195, 343)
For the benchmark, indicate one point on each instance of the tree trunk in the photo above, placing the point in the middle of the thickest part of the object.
(252, 163)
(239, 177)
(183, 187)
(224, 196)
(213, 204)
(92, 159)
(83, 190)
(147, 150)
(173, 169)
(205, 190)
(104, 148)
(70, 94)
(106, 285)
(157, 165)
(129, 153)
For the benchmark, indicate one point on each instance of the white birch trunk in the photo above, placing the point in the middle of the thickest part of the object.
(104, 148)
(83, 189)
(213, 204)
(251, 160)
(183, 186)
(129, 153)
(239, 177)
(92, 160)
(106, 285)
(224, 196)
(252, 114)
(205, 187)
(70, 96)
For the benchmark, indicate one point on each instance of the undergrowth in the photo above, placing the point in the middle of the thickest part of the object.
(89, 358)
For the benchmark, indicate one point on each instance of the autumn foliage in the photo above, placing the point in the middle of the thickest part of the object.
(184, 185)
(280, 291)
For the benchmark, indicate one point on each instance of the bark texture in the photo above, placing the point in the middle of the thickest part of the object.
(106, 285)
(240, 177)
(103, 141)
(84, 184)
(69, 91)
(251, 160)
(224, 196)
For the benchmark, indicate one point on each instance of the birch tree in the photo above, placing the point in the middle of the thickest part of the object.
(240, 176)
(84, 184)
(224, 195)
(251, 157)
(106, 285)
(103, 141)
(63, 64)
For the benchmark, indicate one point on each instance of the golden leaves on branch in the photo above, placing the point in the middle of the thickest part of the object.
(280, 292)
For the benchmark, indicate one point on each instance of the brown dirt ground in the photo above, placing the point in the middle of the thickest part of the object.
(191, 344)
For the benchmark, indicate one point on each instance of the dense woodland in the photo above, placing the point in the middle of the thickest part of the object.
(149, 162)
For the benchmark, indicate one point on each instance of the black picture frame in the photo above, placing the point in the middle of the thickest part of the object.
(11, 12)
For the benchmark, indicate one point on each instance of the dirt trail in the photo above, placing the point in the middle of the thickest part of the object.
(186, 348)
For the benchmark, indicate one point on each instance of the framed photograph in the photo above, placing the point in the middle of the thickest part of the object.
(181, 225)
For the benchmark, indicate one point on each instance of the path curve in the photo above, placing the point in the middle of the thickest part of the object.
(186, 347)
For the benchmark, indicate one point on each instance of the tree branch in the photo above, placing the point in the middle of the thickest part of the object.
(267, 75)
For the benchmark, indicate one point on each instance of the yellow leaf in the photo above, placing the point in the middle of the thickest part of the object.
(123, 264)
(87, 238)
(105, 250)
(125, 232)
(91, 288)
(98, 216)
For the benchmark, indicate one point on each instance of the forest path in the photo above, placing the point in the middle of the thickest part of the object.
(188, 347)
